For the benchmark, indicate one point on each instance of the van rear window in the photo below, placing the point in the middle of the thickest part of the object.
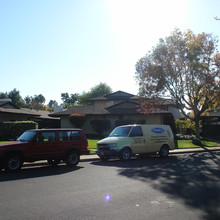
(69, 135)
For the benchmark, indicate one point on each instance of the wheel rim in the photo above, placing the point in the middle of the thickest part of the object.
(126, 154)
(164, 151)
(14, 163)
(73, 158)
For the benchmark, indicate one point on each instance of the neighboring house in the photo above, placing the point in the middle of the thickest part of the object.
(10, 112)
(119, 107)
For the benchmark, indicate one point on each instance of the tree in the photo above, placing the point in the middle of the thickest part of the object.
(186, 67)
(36, 102)
(3, 95)
(69, 100)
(52, 104)
(102, 89)
(16, 98)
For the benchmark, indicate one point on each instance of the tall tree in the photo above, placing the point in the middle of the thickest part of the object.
(16, 98)
(52, 103)
(185, 66)
(102, 89)
(69, 100)
(36, 102)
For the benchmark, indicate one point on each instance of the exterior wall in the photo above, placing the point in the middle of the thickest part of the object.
(12, 117)
(174, 111)
(146, 119)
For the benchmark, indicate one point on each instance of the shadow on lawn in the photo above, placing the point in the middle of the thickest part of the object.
(195, 178)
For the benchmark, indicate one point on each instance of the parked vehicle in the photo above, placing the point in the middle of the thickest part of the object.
(128, 140)
(52, 145)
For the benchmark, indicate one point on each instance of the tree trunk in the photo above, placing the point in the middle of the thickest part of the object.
(197, 127)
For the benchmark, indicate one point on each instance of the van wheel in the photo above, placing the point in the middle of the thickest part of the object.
(13, 162)
(125, 154)
(72, 158)
(53, 162)
(164, 151)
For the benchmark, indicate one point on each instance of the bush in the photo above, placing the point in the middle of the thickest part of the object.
(77, 120)
(101, 126)
(185, 127)
(12, 130)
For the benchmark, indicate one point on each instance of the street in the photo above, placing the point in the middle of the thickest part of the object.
(182, 186)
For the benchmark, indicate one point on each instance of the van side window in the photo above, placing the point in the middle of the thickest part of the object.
(69, 135)
(74, 135)
(136, 132)
(63, 136)
(46, 136)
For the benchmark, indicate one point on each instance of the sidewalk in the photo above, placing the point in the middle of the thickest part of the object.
(175, 151)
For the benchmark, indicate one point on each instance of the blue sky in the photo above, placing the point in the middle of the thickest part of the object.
(53, 46)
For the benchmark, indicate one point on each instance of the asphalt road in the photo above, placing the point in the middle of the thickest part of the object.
(182, 186)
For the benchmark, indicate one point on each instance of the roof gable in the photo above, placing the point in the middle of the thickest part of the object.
(7, 104)
(119, 95)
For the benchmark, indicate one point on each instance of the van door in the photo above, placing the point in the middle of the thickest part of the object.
(138, 140)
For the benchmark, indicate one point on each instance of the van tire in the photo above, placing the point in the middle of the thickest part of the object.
(72, 158)
(13, 162)
(164, 151)
(125, 154)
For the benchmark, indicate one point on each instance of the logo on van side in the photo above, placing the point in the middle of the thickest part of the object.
(157, 130)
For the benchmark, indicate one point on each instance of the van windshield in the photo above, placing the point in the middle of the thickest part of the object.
(120, 132)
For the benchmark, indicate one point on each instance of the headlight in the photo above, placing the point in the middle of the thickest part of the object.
(112, 145)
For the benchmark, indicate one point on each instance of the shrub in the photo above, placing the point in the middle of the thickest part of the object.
(185, 127)
(12, 130)
(77, 120)
(101, 126)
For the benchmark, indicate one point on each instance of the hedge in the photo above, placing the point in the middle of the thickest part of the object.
(12, 130)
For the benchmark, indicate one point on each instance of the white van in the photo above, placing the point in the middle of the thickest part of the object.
(127, 140)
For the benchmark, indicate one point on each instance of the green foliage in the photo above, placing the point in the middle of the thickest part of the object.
(36, 102)
(100, 90)
(185, 127)
(69, 100)
(12, 130)
(101, 126)
(186, 67)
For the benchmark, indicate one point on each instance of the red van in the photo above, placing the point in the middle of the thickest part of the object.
(52, 145)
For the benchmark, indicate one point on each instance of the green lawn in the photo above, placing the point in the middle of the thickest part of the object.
(181, 144)
(92, 145)
(188, 144)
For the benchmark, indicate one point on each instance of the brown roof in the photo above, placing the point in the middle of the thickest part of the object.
(119, 95)
(125, 108)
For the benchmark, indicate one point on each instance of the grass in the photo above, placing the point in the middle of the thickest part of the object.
(183, 144)
(92, 145)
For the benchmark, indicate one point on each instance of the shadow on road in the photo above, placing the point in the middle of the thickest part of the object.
(193, 178)
(34, 170)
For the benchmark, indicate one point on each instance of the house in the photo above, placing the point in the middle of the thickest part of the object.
(118, 108)
(11, 112)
